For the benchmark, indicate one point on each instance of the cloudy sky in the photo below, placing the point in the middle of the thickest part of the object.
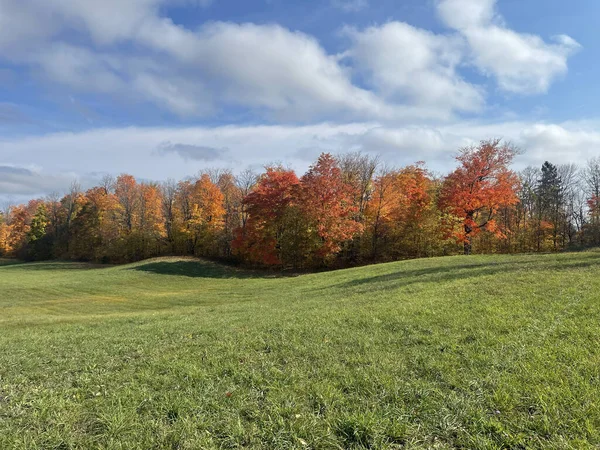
(163, 88)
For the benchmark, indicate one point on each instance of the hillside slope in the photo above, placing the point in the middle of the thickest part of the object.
(472, 352)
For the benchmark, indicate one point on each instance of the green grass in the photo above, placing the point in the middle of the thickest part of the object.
(482, 352)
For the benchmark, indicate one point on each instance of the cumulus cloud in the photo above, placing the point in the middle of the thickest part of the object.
(465, 14)
(522, 63)
(139, 54)
(267, 68)
(408, 63)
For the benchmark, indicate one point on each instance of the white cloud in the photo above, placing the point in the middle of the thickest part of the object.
(465, 14)
(79, 68)
(106, 21)
(407, 63)
(178, 94)
(426, 142)
(135, 52)
(559, 142)
(156, 153)
(522, 63)
(267, 68)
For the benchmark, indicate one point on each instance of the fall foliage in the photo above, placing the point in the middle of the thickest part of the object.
(478, 188)
(326, 204)
(343, 211)
(265, 236)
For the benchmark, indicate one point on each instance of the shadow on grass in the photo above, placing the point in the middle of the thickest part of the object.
(9, 262)
(55, 265)
(440, 274)
(201, 269)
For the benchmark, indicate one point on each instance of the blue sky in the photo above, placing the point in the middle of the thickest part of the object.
(165, 88)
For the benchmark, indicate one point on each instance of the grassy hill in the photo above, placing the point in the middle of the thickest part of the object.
(462, 352)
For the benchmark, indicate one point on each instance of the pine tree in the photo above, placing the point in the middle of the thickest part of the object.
(550, 195)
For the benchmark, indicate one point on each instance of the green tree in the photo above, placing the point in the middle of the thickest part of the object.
(550, 196)
(38, 241)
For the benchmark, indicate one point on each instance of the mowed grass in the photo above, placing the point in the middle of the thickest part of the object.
(482, 352)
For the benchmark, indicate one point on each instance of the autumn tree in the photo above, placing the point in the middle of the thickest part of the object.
(206, 216)
(39, 222)
(232, 204)
(264, 237)
(340, 212)
(327, 203)
(379, 208)
(413, 212)
(478, 188)
(5, 249)
(399, 213)
(150, 224)
(127, 193)
(39, 245)
(20, 226)
(96, 229)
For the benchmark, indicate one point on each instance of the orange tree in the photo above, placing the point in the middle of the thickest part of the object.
(478, 188)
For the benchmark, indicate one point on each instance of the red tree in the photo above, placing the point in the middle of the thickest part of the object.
(482, 185)
(260, 240)
(327, 203)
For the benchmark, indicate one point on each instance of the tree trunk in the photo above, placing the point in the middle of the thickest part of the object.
(468, 246)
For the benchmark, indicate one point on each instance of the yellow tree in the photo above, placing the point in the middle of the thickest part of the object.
(5, 249)
(151, 226)
(206, 216)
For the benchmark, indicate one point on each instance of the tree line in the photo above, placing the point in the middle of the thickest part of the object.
(345, 210)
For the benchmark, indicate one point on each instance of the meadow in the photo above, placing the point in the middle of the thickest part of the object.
(479, 352)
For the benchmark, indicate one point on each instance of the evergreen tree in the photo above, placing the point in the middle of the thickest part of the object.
(550, 195)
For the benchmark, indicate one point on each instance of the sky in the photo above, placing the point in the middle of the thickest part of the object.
(166, 88)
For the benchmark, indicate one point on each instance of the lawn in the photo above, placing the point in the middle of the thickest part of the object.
(481, 352)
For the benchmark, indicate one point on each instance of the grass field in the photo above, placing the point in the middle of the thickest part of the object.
(462, 352)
